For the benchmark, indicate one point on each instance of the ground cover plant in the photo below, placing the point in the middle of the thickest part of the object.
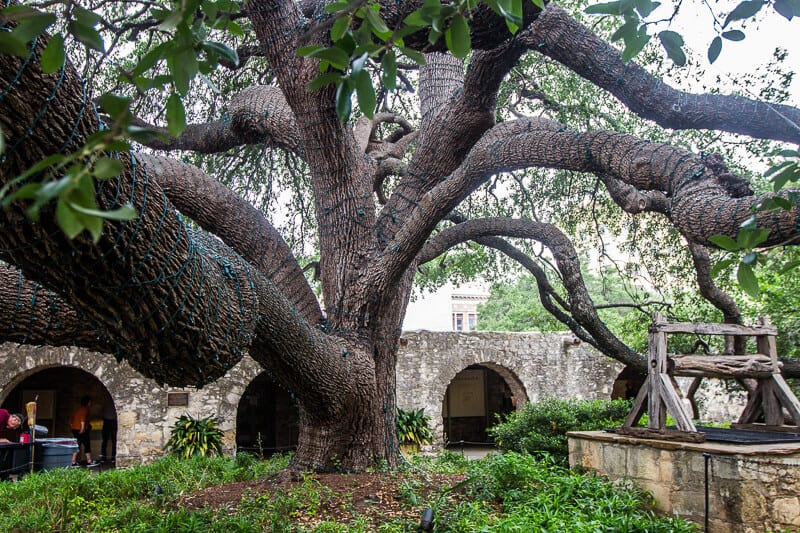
(508, 492)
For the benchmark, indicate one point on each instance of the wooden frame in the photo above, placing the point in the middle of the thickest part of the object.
(660, 394)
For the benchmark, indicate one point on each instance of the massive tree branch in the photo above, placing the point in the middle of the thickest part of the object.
(582, 318)
(257, 115)
(242, 227)
(32, 314)
(557, 35)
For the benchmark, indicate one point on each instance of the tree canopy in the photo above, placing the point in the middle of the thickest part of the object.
(156, 252)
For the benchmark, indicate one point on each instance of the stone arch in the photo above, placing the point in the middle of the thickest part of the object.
(267, 420)
(57, 390)
(474, 397)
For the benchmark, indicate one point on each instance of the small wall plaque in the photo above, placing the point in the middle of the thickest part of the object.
(177, 399)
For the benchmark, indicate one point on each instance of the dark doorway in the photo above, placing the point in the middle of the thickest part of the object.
(57, 392)
(473, 401)
(628, 383)
(267, 419)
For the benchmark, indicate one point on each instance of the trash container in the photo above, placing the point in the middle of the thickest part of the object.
(54, 453)
(14, 459)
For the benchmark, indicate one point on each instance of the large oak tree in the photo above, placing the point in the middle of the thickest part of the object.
(183, 300)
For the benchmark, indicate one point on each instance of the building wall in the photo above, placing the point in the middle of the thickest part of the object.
(533, 365)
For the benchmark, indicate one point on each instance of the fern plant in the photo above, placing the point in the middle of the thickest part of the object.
(413, 427)
(195, 436)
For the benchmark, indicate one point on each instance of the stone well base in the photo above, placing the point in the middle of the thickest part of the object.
(750, 487)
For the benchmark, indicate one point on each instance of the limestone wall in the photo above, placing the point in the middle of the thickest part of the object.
(534, 365)
(751, 488)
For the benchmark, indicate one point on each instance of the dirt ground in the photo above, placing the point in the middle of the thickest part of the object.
(377, 496)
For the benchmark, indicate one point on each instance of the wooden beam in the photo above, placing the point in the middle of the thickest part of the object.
(656, 413)
(638, 408)
(663, 434)
(713, 329)
(753, 408)
(675, 405)
(721, 366)
(787, 397)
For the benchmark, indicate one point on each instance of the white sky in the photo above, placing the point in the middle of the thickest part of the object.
(762, 35)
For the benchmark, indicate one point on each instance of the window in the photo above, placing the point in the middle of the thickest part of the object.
(472, 321)
(458, 321)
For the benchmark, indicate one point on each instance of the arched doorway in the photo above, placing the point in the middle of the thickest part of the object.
(628, 383)
(267, 419)
(474, 400)
(57, 391)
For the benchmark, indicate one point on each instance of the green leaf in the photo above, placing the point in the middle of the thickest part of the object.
(787, 8)
(645, 7)
(721, 266)
(635, 44)
(67, 221)
(784, 173)
(788, 267)
(715, 49)
(725, 242)
(30, 22)
(626, 30)
(733, 35)
(172, 20)
(753, 238)
(176, 115)
(744, 10)
(116, 106)
(607, 8)
(324, 79)
(413, 55)
(747, 280)
(457, 36)
(673, 44)
(343, 103)
(365, 93)
(379, 27)
(11, 45)
(388, 71)
(358, 64)
(221, 50)
(414, 19)
(53, 57)
(87, 35)
(337, 57)
(126, 212)
(106, 168)
(339, 28)
(183, 67)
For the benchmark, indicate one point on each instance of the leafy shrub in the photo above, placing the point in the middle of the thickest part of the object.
(195, 436)
(542, 427)
(413, 427)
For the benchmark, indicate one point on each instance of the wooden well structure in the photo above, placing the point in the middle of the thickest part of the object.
(660, 395)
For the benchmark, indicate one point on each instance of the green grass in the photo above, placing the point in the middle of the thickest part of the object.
(509, 492)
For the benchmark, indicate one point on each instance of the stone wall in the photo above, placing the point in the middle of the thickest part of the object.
(751, 488)
(533, 365)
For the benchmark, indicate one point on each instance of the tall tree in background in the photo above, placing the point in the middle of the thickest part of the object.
(183, 304)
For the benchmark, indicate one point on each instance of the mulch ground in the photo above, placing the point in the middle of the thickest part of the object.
(378, 497)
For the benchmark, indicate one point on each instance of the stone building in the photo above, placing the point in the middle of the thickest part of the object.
(462, 380)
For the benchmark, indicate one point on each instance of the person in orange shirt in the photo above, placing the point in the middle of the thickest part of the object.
(81, 429)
